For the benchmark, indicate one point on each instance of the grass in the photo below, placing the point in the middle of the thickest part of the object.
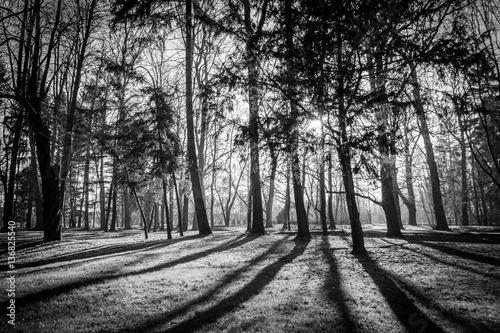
(234, 282)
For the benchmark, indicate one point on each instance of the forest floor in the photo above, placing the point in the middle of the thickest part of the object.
(234, 282)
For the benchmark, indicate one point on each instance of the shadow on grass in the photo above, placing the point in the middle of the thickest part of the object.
(469, 268)
(463, 254)
(102, 251)
(429, 302)
(333, 287)
(440, 236)
(23, 246)
(228, 304)
(403, 307)
(66, 287)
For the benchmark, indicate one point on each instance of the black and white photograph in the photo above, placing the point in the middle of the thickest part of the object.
(274, 166)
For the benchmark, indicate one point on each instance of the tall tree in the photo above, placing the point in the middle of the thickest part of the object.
(86, 17)
(437, 198)
(292, 94)
(385, 144)
(199, 201)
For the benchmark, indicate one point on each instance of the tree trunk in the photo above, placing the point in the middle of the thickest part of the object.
(35, 185)
(358, 243)
(270, 201)
(70, 117)
(165, 203)
(126, 209)
(330, 194)
(29, 213)
(108, 210)
(437, 199)
(171, 203)
(409, 201)
(185, 212)
(195, 223)
(257, 207)
(154, 216)
(389, 205)
(86, 187)
(287, 199)
(358, 246)
(322, 185)
(212, 184)
(199, 202)
(49, 175)
(143, 218)
(387, 159)
(474, 186)
(112, 227)
(250, 201)
(179, 209)
(464, 184)
(8, 209)
(302, 223)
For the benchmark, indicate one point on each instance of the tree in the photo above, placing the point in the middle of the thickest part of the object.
(86, 18)
(385, 144)
(441, 223)
(327, 34)
(199, 201)
(30, 87)
(292, 94)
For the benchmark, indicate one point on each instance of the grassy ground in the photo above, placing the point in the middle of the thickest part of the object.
(234, 282)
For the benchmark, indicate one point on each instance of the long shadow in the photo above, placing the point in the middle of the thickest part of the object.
(454, 237)
(21, 247)
(64, 288)
(264, 277)
(403, 307)
(463, 254)
(258, 283)
(77, 262)
(472, 325)
(26, 241)
(102, 251)
(444, 262)
(333, 287)
(436, 236)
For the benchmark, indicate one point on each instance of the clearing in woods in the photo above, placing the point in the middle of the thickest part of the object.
(234, 282)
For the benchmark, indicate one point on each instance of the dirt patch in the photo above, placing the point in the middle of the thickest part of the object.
(234, 282)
